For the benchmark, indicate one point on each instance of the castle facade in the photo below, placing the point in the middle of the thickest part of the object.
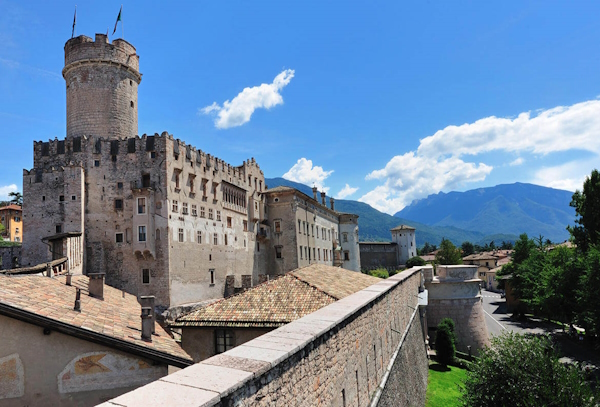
(159, 216)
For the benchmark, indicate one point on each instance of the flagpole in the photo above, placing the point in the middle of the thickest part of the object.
(122, 25)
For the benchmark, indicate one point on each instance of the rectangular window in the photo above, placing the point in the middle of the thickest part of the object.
(191, 184)
(277, 226)
(319, 252)
(175, 206)
(317, 232)
(145, 180)
(218, 215)
(96, 163)
(299, 227)
(184, 208)
(194, 210)
(309, 254)
(176, 180)
(305, 252)
(210, 213)
(58, 228)
(118, 204)
(145, 276)
(313, 230)
(314, 254)
(345, 237)
(202, 213)
(225, 239)
(212, 276)
(61, 198)
(278, 252)
(245, 226)
(304, 227)
(228, 221)
(215, 239)
(199, 237)
(141, 233)
(224, 340)
(346, 255)
(141, 204)
(119, 238)
(180, 234)
(301, 253)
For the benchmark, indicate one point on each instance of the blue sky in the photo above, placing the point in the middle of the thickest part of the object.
(383, 102)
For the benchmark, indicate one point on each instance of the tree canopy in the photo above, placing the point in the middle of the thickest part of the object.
(518, 370)
(587, 207)
(448, 253)
(16, 198)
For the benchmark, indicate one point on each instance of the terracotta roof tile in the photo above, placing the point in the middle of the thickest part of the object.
(282, 300)
(117, 316)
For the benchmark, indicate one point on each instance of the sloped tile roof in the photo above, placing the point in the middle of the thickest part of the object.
(11, 207)
(403, 227)
(117, 316)
(334, 281)
(277, 302)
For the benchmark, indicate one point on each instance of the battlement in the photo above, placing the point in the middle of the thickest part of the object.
(83, 48)
(48, 152)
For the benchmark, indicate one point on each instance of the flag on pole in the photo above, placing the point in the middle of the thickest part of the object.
(118, 19)
(74, 20)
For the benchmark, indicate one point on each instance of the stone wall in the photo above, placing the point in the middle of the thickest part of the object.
(8, 255)
(373, 255)
(338, 356)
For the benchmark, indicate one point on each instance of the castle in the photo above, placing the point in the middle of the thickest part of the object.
(156, 215)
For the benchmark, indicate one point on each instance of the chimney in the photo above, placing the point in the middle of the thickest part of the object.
(69, 278)
(147, 301)
(49, 270)
(96, 285)
(331, 201)
(315, 193)
(323, 199)
(77, 306)
(147, 324)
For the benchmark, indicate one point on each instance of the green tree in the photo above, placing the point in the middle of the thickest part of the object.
(589, 316)
(16, 198)
(2, 229)
(522, 370)
(587, 207)
(467, 248)
(415, 261)
(426, 249)
(448, 253)
(445, 348)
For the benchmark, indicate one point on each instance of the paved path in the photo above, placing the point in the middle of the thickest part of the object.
(498, 320)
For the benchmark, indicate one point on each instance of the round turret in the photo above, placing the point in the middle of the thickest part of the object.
(102, 84)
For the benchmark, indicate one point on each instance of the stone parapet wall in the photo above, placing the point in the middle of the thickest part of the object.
(336, 356)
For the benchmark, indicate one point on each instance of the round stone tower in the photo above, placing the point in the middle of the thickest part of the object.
(102, 86)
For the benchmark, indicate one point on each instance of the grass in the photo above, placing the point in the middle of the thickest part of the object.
(442, 385)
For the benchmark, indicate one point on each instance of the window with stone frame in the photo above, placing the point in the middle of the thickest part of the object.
(180, 235)
(299, 227)
(141, 233)
(199, 237)
(184, 208)
(224, 340)
(345, 236)
(194, 210)
(277, 225)
(175, 207)
(229, 222)
(346, 255)
(245, 222)
(118, 204)
(218, 215)
(278, 250)
(215, 239)
(210, 213)
(119, 237)
(177, 179)
(300, 252)
(141, 206)
(202, 213)
(212, 276)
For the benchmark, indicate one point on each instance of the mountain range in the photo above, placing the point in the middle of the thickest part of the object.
(499, 213)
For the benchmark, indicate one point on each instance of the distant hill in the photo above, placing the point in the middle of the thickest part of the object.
(504, 209)
(375, 226)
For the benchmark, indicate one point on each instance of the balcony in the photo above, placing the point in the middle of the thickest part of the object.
(143, 185)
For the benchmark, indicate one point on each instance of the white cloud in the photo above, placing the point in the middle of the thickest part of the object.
(518, 161)
(346, 192)
(441, 160)
(5, 190)
(239, 110)
(569, 176)
(305, 173)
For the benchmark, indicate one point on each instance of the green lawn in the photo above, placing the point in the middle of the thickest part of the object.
(442, 386)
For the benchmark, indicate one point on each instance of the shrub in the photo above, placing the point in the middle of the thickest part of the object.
(415, 261)
(444, 342)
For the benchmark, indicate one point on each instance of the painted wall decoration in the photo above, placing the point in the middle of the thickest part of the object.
(12, 377)
(106, 370)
